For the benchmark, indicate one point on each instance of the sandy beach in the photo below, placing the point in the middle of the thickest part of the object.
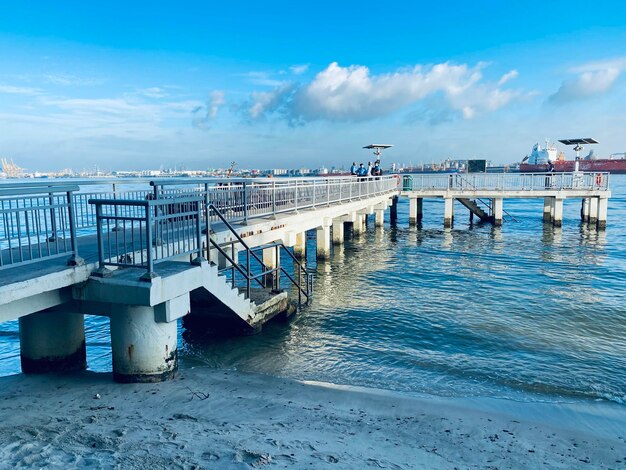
(208, 418)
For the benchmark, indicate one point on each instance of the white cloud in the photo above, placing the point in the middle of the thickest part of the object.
(19, 90)
(71, 80)
(299, 69)
(153, 92)
(204, 114)
(354, 94)
(262, 79)
(592, 79)
(508, 77)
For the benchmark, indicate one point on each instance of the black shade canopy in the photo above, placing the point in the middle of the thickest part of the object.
(588, 140)
(377, 146)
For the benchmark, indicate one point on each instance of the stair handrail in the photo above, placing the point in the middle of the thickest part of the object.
(247, 272)
(485, 203)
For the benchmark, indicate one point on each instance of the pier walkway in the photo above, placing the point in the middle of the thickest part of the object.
(483, 194)
(220, 252)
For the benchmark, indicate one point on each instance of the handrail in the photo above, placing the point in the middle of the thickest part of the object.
(486, 204)
(266, 271)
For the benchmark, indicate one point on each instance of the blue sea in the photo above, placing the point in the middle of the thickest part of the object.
(524, 311)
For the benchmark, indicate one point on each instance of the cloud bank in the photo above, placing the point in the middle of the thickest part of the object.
(353, 93)
(591, 80)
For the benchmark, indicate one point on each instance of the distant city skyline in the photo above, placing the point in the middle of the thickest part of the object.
(282, 85)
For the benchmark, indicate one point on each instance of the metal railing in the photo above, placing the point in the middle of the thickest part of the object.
(507, 181)
(240, 200)
(37, 223)
(265, 276)
(142, 233)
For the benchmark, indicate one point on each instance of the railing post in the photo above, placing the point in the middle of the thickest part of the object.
(102, 271)
(274, 198)
(74, 260)
(115, 210)
(199, 259)
(207, 217)
(245, 203)
(327, 192)
(295, 197)
(150, 274)
(313, 193)
(277, 267)
(53, 220)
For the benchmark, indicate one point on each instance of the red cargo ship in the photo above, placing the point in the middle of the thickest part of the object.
(540, 160)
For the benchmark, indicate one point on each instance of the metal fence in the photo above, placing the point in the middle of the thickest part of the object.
(37, 223)
(245, 199)
(506, 181)
(142, 233)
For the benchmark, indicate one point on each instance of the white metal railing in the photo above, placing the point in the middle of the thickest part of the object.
(507, 181)
(245, 199)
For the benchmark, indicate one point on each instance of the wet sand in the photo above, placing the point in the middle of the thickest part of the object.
(208, 418)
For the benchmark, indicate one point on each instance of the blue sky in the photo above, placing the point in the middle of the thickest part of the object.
(131, 85)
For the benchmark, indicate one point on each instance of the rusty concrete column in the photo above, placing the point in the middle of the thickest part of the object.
(52, 341)
(557, 212)
(143, 350)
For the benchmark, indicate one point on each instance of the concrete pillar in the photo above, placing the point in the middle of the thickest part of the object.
(393, 212)
(593, 210)
(338, 231)
(448, 216)
(380, 218)
(547, 209)
(603, 209)
(497, 204)
(143, 350)
(323, 242)
(299, 249)
(270, 260)
(584, 210)
(52, 341)
(415, 210)
(557, 212)
(232, 251)
(358, 226)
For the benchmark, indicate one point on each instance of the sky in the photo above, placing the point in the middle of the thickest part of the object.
(283, 84)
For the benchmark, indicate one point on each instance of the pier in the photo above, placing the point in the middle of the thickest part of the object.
(219, 252)
(483, 194)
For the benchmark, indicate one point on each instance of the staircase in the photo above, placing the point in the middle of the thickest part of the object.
(475, 209)
(244, 296)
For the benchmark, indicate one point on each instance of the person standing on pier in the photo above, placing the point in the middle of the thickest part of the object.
(361, 171)
(353, 169)
(369, 169)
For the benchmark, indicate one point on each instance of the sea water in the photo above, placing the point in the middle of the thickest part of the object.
(524, 311)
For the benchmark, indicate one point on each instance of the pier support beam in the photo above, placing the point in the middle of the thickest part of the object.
(338, 232)
(593, 210)
(497, 205)
(299, 249)
(415, 210)
(323, 240)
(603, 209)
(380, 218)
(547, 209)
(52, 341)
(270, 260)
(448, 212)
(557, 212)
(393, 211)
(358, 226)
(143, 350)
(584, 210)
(222, 262)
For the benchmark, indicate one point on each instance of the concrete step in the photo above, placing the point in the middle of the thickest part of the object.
(220, 305)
